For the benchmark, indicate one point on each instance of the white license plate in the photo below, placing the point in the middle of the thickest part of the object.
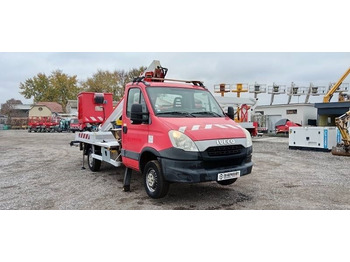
(229, 175)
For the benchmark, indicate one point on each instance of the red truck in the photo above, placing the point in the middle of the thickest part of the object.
(74, 125)
(172, 131)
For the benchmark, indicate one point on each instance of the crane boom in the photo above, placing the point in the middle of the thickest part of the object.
(327, 98)
(114, 116)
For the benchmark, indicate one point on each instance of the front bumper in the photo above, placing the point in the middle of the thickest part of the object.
(198, 171)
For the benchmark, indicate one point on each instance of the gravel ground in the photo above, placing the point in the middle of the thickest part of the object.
(41, 171)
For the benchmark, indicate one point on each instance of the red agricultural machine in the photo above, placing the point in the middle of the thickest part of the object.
(43, 123)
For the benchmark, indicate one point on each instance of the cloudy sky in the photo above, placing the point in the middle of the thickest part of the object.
(213, 68)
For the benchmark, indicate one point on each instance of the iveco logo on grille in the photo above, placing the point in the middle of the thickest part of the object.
(225, 142)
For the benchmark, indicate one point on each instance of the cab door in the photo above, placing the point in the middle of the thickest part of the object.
(134, 136)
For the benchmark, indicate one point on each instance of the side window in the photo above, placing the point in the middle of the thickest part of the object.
(135, 97)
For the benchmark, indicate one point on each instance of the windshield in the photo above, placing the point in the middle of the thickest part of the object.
(74, 121)
(183, 102)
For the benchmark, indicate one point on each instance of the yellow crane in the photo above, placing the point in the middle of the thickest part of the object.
(327, 98)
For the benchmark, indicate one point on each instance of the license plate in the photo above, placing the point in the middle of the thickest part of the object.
(229, 175)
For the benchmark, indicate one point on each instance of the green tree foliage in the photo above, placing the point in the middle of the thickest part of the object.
(37, 87)
(64, 88)
(58, 87)
(103, 82)
(111, 82)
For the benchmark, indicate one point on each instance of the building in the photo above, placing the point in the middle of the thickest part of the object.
(17, 116)
(45, 109)
(327, 112)
(268, 115)
(72, 107)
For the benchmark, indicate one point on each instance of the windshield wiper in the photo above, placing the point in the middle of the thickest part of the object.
(207, 113)
(174, 113)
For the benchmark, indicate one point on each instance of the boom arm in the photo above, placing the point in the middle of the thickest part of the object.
(114, 116)
(342, 124)
(327, 98)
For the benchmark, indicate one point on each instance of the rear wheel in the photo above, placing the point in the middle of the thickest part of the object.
(227, 182)
(94, 164)
(155, 184)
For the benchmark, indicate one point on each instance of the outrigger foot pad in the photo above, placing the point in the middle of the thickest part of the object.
(126, 188)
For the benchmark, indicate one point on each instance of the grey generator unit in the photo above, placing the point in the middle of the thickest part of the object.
(314, 138)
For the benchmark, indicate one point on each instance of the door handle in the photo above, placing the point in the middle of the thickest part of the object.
(125, 129)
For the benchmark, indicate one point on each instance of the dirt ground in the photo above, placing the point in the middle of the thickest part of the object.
(41, 171)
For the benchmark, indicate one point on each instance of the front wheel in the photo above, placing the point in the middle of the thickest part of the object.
(155, 184)
(227, 182)
(94, 164)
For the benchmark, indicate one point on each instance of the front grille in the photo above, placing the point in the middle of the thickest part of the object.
(225, 150)
(223, 163)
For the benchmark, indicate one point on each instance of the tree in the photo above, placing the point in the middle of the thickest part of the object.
(58, 87)
(103, 82)
(7, 108)
(63, 88)
(37, 87)
(111, 82)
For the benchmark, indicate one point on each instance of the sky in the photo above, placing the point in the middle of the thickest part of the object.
(212, 68)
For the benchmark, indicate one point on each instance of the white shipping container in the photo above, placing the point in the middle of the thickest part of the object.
(318, 138)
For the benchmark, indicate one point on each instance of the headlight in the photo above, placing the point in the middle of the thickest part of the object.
(249, 137)
(181, 141)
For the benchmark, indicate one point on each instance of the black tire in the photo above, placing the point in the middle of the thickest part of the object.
(227, 182)
(154, 182)
(94, 164)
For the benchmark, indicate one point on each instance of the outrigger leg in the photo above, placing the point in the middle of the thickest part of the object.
(83, 161)
(127, 179)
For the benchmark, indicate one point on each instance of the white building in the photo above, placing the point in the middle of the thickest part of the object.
(303, 114)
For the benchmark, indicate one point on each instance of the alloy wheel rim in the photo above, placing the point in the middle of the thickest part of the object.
(151, 180)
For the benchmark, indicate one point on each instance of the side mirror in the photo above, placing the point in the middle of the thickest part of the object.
(136, 116)
(230, 112)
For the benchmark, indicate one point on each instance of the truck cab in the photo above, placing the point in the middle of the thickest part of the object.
(175, 132)
(74, 124)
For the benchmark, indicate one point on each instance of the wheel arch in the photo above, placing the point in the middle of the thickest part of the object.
(147, 154)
